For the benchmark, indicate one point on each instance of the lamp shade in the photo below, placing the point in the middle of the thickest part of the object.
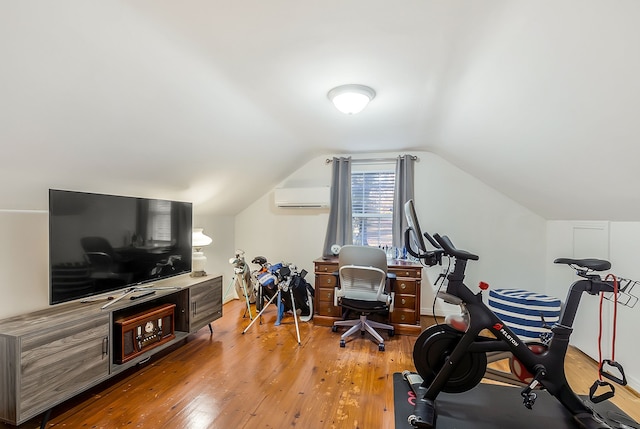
(351, 99)
(199, 239)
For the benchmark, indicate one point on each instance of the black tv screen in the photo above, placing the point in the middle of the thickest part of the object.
(100, 243)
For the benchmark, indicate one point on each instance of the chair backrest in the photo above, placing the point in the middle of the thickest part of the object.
(362, 255)
(363, 273)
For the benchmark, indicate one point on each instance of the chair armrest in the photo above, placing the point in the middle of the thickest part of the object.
(388, 287)
(336, 274)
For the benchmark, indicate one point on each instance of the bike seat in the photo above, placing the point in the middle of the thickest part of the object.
(589, 263)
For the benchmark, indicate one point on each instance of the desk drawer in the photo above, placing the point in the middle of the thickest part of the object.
(403, 315)
(326, 267)
(404, 301)
(414, 273)
(405, 286)
(325, 294)
(326, 281)
(326, 308)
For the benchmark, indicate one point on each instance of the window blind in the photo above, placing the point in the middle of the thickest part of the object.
(372, 207)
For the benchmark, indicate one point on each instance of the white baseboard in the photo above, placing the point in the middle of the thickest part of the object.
(633, 383)
(230, 297)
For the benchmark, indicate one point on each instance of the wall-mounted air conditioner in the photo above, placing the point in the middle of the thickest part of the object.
(314, 197)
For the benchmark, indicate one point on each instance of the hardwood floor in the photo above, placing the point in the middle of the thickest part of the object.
(264, 379)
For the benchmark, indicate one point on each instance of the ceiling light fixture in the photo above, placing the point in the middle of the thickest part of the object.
(351, 99)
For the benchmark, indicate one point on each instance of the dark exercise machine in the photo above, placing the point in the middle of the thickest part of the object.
(453, 359)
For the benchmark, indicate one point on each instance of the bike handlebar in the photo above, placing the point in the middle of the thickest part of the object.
(429, 257)
(433, 242)
(449, 249)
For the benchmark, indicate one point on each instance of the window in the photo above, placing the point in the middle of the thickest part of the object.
(372, 207)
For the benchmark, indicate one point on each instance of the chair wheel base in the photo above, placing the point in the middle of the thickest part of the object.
(342, 343)
(381, 347)
(334, 328)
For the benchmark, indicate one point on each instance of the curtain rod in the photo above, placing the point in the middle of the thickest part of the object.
(373, 160)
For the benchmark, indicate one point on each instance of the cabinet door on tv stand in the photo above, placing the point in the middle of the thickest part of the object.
(60, 363)
(205, 303)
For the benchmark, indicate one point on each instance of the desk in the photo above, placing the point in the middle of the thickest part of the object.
(406, 313)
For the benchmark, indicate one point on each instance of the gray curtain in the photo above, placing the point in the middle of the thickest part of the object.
(403, 192)
(339, 227)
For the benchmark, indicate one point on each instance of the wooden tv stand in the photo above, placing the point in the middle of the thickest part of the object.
(51, 355)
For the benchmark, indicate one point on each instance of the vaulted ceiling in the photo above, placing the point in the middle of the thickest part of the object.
(218, 101)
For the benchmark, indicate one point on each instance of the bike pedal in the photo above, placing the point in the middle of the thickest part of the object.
(528, 396)
(529, 400)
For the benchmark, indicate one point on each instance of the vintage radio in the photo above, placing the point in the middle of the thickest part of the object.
(143, 331)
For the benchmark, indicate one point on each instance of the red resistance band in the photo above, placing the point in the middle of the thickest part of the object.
(615, 319)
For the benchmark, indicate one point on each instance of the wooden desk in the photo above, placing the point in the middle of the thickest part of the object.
(406, 313)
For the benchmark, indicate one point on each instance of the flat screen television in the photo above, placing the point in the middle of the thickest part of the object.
(101, 243)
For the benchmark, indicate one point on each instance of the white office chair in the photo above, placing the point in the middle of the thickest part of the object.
(363, 278)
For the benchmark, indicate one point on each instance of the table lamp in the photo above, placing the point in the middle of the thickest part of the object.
(198, 260)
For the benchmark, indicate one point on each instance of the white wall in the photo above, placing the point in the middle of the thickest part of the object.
(221, 231)
(624, 244)
(290, 235)
(509, 239)
(24, 261)
(618, 242)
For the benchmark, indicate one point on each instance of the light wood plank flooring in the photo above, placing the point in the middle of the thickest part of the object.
(264, 379)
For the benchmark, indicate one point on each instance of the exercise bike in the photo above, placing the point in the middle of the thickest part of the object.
(454, 360)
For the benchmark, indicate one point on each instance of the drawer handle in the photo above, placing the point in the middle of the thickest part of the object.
(403, 286)
(328, 281)
(404, 301)
(402, 317)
